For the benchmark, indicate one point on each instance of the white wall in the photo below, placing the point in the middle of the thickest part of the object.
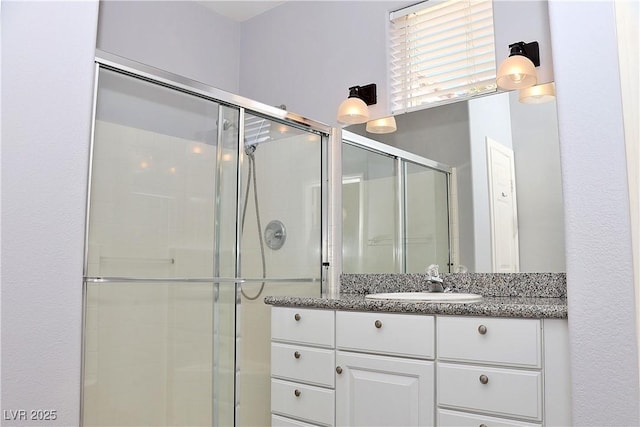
(483, 123)
(47, 80)
(604, 354)
(536, 148)
(526, 21)
(182, 37)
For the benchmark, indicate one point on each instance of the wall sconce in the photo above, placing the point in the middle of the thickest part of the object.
(383, 125)
(354, 109)
(538, 94)
(518, 71)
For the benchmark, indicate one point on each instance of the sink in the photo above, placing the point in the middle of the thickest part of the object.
(446, 297)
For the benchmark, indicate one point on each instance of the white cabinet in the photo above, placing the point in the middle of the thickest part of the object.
(502, 371)
(384, 377)
(302, 367)
(374, 390)
(350, 368)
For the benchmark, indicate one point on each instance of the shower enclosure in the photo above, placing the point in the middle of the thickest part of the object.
(201, 203)
(396, 209)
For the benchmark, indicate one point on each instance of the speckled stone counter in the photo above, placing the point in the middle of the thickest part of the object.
(523, 295)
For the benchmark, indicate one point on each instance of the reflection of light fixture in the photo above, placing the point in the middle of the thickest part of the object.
(354, 109)
(196, 149)
(518, 71)
(538, 94)
(383, 125)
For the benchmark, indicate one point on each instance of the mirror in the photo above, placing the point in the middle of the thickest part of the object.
(499, 221)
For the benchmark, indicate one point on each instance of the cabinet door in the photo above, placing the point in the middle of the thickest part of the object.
(374, 390)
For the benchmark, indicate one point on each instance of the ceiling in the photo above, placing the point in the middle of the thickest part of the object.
(240, 10)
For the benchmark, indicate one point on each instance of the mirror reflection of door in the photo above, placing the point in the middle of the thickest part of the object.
(503, 210)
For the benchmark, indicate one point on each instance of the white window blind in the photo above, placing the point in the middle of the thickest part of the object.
(441, 51)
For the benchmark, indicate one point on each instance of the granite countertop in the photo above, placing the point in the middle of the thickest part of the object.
(521, 295)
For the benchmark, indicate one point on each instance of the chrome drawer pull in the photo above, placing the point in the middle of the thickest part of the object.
(297, 317)
(339, 370)
(484, 379)
(296, 355)
(378, 324)
(482, 329)
(297, 393)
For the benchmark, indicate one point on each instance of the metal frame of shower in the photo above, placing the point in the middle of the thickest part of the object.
(401, 157)
(329, 142)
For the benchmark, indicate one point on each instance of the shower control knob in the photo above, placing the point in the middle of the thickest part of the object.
(482, 329)
(296, 355)
(484, 379)
(378, 324)
(297, 317)
(297, 393)
(339, 370)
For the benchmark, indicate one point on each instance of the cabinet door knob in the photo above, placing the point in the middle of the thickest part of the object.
(339, 370)
(484, 379)
(297, 392)
(296, 355)
(482, 329)
(297, 317)
(378, 324)
(482, 425)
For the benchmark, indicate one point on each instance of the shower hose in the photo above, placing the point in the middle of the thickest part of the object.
(252, 179)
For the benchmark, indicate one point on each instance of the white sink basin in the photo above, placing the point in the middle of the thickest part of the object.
(449, 297)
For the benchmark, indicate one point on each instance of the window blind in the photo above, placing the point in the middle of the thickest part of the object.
(441, 51)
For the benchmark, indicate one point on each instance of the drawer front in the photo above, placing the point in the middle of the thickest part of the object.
(503, 392)
(395, 334)
(448, 418)
(306, 326)
(301, 363)
(305, 402)
(501, 341)
(278, 421)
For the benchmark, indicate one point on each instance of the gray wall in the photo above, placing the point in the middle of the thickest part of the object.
(306, 54)
(47, 80)
(181, 37)
(604, 354)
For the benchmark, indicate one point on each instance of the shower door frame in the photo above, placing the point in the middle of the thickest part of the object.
(105, 60)
(401, 159)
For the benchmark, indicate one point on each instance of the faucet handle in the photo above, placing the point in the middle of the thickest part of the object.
(433, 271)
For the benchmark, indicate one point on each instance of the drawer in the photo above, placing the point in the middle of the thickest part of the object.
(306, 326)
(305, 402)
(501, 341)
(278, 421)
(304, 364)
(462, 419)
(507, 392)
(388, 333)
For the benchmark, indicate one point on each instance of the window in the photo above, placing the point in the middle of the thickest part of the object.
(441, 51)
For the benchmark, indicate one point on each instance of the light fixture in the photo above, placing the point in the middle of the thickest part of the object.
(354, 109)
(518, 71)
(383, 125)
(538, 94)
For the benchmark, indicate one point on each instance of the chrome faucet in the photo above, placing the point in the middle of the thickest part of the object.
(434, 278)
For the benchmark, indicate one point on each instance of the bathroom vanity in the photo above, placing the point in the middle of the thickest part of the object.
(351, 361)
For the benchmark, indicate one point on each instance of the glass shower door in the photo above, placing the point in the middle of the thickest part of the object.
(159, 322)
(280, 245)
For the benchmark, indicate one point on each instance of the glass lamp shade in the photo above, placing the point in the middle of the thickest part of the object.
(352, 111)
(383, 125)
(538, 94)
(516, 72)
